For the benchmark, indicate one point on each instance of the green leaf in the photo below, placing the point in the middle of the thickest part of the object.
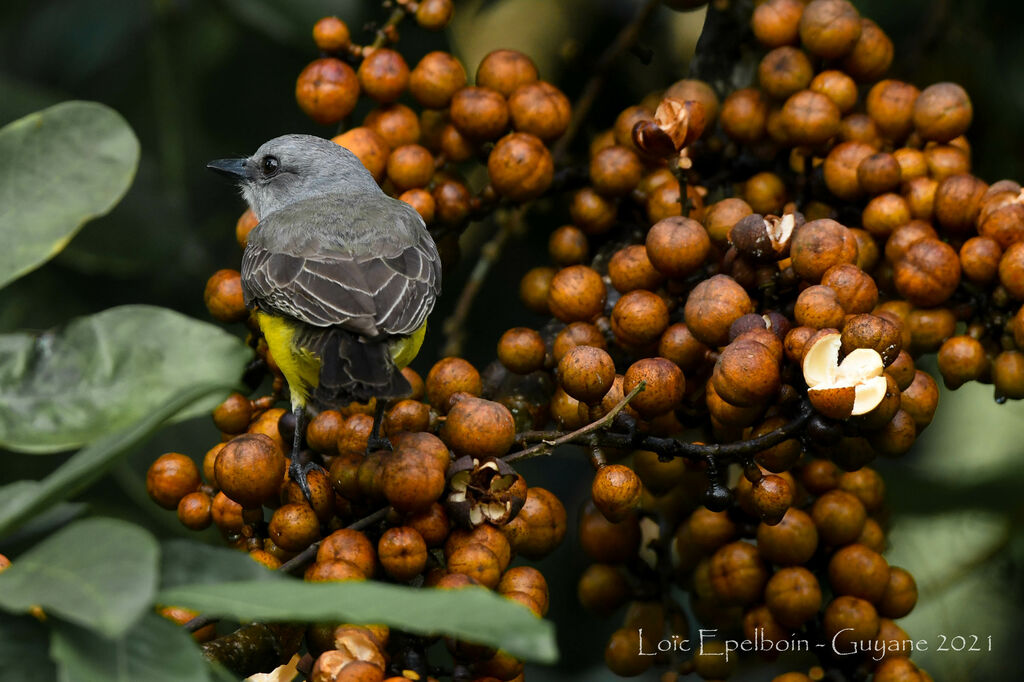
(156, 650)
(219, 673)
(63, 166)
(972, 441)
(23, 650)
(103, 372)
(183, 562)
(100, 573)
(960, 561)
(49, 519)
(22, 500)
(475, 614)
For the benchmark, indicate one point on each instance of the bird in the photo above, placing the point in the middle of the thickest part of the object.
(341, 277)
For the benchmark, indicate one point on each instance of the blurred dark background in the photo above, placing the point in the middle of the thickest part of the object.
(199, 80)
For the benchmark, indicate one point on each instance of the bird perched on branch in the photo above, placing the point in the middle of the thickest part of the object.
(341, 276)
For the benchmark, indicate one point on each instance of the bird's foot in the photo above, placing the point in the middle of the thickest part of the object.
(375, 443)
(299, 470)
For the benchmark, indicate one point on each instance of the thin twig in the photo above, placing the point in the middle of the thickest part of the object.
(393, 21)
(670, 447)
(626, 39)
(547, 445)
(454, 327)
(304, 557)
(296, 562)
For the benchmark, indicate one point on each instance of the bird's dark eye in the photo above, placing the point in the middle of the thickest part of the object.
(270, 165)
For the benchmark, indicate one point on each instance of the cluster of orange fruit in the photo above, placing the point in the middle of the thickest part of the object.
(790, 303)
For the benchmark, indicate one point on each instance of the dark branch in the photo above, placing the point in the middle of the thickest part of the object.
(299, 561)
(667, 447)
(581, 435)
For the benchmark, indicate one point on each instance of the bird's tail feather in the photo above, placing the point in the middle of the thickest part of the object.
(352, 369)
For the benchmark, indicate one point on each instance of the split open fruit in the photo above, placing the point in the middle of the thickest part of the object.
(842, 389)
(764, 238)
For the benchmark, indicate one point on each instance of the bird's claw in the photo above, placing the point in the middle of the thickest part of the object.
(298, 471)
(377, 443)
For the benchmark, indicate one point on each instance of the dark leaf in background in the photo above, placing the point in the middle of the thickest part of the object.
(24, 642)
(62, 166)
(49, 519)
(475, 614)
(290, 21)
(183, 562)
(65, 388)
(99, 573)
(155, 650)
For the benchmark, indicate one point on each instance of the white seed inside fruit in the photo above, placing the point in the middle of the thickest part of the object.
(861, 370)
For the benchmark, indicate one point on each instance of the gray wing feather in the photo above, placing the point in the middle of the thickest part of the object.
(370, 294)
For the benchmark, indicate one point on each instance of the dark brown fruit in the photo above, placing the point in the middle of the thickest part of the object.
(194, 510)
(250, 469)
(170, 478)
(436, 79)
(327, 90)
(223, 296)
(505, 70)
(790, 542)
(858, 571)
(712, 306)
(479, 113)
(829, 28)
(478, 427)
(520, 167)
(293, 527)
(368, 146)
(738, 573)
(839, 517)
(521, 350)
(664, 386)
(586, 373)
(616, 491)
(383, 75)
(677, 246)
(330, 34)
(540, 109)
(639, 318)
(448, 377)
(577, 293)
(942, 112)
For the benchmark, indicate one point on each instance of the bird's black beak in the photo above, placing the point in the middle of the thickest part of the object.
(231, 168)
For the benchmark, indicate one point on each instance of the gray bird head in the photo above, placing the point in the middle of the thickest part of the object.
(295, 167)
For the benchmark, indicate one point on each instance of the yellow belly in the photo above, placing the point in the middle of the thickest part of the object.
(405, 349)
(301, 367)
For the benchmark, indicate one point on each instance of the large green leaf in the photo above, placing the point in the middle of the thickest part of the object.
(49, 518)
(22, 500)
(475, 614)
(965, 614)
(99, 573)
(63, 166)
(972, 441)
(183, 562)
(103, 372)
(156, 650)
